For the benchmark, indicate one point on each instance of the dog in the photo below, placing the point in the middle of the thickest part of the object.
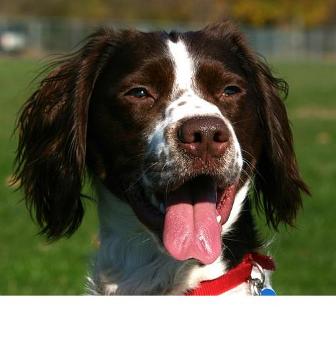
(181, 134)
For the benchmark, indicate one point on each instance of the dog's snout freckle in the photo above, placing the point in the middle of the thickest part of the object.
(170, 111)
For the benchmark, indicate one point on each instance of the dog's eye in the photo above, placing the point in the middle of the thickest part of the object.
(138, 92)
(231, 90)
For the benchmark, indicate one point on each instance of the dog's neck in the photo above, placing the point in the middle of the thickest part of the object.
(131, 261)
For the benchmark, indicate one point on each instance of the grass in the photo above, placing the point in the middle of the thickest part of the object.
(306, 256)
(28, 265)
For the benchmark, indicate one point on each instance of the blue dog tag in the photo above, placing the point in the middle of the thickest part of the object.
(267, 292)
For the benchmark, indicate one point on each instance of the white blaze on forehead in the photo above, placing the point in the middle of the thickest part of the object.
(186, 102)
(183, 63)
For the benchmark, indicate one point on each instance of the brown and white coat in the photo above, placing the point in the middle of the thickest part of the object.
(164, 124)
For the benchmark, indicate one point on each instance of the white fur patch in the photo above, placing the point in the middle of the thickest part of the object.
(206, 272)
(184, 65)
(188, 103)
(236, 208)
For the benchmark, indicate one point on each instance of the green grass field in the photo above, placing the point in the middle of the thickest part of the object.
(306, 256)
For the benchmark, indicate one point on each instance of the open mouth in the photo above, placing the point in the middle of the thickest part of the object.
(191, 219)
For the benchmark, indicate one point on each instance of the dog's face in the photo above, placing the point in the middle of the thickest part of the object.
(174, 124)
(170, 125)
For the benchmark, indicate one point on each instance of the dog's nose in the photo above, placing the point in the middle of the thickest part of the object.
(203, 137)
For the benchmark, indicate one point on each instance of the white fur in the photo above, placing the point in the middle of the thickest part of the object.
(236, 208)
(206, 272)
(184, 65)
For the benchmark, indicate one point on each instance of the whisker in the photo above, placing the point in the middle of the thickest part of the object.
(243, 120)
(228, 248)
(245, 161)
(132, 185)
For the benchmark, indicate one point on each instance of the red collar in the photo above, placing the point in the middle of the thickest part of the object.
(237, 275)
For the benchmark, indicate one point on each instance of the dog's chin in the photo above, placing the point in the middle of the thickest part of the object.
(188, 219)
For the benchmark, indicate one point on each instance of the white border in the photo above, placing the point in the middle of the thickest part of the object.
(179, 320)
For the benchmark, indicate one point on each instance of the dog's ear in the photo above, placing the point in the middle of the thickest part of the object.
(50, 163)
(278, 182)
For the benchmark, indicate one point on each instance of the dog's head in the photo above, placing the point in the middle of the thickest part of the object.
(174, 124)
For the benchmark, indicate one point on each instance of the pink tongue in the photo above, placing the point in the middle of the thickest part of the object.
(191, 229)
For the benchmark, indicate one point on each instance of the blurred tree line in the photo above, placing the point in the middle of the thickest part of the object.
(252, 12)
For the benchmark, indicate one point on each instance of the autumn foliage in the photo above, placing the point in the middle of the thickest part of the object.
(306, 13)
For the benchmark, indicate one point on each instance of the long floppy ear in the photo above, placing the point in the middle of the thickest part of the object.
(278, 182)
(50, 163)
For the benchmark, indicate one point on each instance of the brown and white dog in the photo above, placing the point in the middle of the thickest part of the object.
(174, 129)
